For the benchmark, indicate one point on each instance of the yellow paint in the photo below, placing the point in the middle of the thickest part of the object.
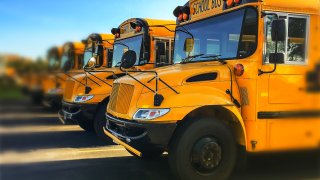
(283, 90)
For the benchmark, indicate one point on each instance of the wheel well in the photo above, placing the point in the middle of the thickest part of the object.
(220, 113)
(105, 100)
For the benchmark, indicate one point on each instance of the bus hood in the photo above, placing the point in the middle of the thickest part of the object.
(179, 74)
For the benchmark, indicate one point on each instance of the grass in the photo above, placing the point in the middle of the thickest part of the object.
(13, 93)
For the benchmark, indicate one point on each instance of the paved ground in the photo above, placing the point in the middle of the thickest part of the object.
(34, 145)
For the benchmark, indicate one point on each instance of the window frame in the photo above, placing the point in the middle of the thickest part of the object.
(288, 15)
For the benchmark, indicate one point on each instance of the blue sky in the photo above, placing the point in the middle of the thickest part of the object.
(30, 27)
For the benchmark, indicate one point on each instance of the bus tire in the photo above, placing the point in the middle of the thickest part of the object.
(86, 125)
(100, 121)
(203, 149)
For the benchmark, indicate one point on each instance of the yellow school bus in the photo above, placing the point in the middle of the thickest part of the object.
(245, 79)
(70, 64)
(151, 39)
(49, 78)
(39, 82)
(97, 61)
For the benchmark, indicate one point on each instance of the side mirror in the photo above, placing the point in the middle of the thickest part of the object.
(128, 59)
(278, 31)
(161, 48)
(276, 58)
(91, 63)
(188, 45)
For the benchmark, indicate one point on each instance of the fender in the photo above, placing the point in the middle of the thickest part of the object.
(196, 97)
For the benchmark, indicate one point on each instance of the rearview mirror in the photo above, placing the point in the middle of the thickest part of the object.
(276, 58)
(91, 63)
(188, 45)
(128, 59)
(278, 32)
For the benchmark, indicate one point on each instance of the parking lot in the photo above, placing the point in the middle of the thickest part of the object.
(35, 145)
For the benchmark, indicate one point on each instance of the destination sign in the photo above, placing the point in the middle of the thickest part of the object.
(199, 7)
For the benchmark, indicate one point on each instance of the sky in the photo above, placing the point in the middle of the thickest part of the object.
(30, 27)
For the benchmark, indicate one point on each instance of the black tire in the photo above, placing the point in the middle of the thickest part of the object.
(151, 154)
(36, 99)
(86, 125)
(203, 149)
(100, 121)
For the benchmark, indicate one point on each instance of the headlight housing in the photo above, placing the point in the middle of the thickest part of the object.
(149, 114)
(83, 98)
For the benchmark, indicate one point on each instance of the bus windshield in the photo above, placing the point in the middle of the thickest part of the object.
(121, 46)
(87, 55)
(67, 58)
(53, 62)
(227, 36)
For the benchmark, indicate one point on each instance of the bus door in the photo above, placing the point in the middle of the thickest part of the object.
(281, 93)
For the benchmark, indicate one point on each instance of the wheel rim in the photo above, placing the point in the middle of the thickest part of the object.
(206, 155)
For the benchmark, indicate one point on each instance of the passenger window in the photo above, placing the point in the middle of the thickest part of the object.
(110, 57)
(294, 47)
(164, 50)
(296, 39)
(81, 62)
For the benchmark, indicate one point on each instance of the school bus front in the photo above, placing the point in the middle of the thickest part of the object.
(147, 38)
(245, 77)
(70, 65)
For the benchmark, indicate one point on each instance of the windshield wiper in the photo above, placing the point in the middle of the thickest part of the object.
(215, 56)
(189, 58)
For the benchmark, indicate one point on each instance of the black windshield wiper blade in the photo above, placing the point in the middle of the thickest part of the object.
(189, 58)
(211, 56)
(216, 58)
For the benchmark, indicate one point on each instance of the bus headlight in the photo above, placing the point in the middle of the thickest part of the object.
(85, 98)
(148, 114)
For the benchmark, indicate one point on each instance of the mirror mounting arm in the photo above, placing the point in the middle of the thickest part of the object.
(260, 71)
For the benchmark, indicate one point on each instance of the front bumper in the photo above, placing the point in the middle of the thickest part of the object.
(52, 100)
(141, 136)
(73, 112)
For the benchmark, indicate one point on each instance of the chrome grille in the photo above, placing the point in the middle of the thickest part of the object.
(120, 98)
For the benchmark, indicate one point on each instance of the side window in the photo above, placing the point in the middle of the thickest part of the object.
(110, 57)
(80, 61)
(294, 47)
(297, 39)
(164, 49)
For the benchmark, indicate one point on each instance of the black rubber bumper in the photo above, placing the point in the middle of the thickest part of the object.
(141, 135)
(72, 112)
(52, 100)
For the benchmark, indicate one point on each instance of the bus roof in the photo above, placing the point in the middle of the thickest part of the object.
(106, 39)
(149, 25)
(303, 6)
(200, 9)
(77, 47)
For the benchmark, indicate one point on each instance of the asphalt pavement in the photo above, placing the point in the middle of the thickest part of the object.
(35, 145)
